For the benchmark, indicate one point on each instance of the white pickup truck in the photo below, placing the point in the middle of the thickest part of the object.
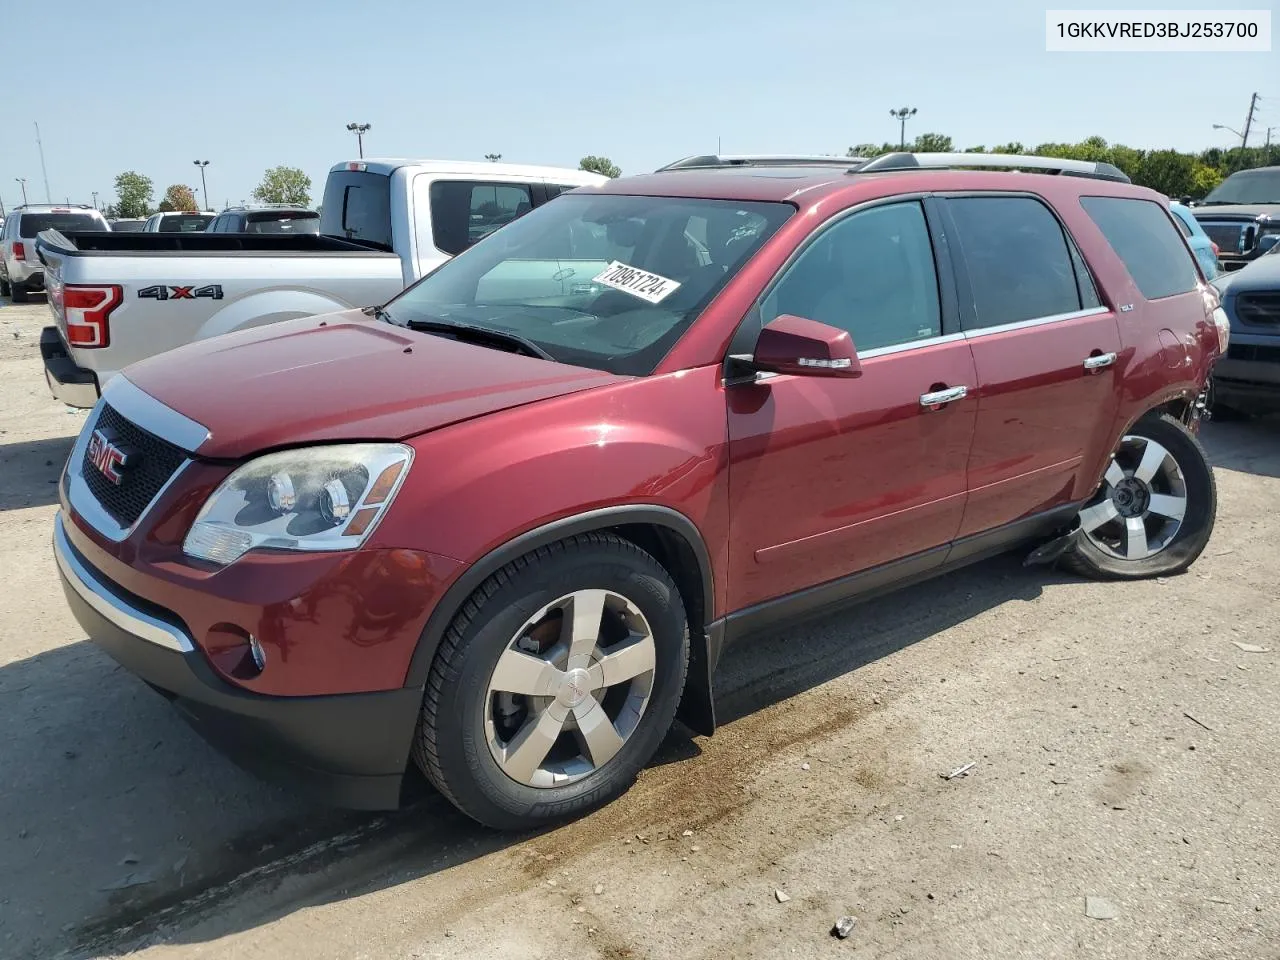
(118, 298)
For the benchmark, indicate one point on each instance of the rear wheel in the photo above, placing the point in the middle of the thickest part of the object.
(1154, 512)
(4, 287)
(555, 683)
(18, 291)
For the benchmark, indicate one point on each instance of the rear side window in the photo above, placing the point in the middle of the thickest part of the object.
(357, 206)
(1019, 262)
(1181, 224)
(1140, 233)
(464, 212)
(32, 224)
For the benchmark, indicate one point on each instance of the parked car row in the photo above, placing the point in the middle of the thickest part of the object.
(501, 525)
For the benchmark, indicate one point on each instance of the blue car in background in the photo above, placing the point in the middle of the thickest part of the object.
(1206, 250)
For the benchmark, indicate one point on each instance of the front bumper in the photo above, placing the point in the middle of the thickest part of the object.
(350, 750)
(73, 385)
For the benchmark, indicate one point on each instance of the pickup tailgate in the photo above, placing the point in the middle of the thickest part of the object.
(119, 299)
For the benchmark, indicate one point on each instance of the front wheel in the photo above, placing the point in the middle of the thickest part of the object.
(1154, 512)
(555, 683)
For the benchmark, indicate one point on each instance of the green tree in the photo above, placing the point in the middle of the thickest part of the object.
(133, 193)
(1168, 171)
(284, 185)
(932, 143)
(493, 157)
(601, 165)
(179, 197)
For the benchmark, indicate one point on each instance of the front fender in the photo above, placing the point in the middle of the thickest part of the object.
(269, 306)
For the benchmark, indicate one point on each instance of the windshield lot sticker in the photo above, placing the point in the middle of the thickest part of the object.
(639, 283)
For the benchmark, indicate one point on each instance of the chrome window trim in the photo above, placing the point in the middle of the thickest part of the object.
(98, 595)
(1036, 322)
(909, 345)
(79, 495)
(153, 416)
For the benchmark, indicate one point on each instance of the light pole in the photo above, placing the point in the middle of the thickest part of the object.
(203, 186)
(95, 199)
(1223, 126)
(23, 181)
(902, 115)
(359, 129)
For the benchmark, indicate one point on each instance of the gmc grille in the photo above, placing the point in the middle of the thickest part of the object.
(157, 461)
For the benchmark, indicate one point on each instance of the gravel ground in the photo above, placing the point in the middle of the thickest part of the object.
(1123, 748)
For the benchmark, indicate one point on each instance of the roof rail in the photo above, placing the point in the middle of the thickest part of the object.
(1007, 161)
(711, 161)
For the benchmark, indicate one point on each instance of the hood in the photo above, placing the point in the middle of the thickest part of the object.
(1261, 274)
(342, 377)
(1237, 211)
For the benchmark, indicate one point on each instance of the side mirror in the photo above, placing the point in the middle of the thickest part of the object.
(1267, 242)
(805, 348)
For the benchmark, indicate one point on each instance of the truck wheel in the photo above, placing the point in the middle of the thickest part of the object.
(4, 287)
(555, 683)
(1155, 510)
(17, 292)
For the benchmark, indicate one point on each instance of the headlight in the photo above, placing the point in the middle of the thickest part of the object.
(317, 498)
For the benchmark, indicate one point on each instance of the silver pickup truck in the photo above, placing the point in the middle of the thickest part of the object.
(117, 298)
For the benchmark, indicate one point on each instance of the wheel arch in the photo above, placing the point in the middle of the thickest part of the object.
(668, 535)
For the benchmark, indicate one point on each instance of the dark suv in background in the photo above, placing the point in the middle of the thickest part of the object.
(1242, 216)
(272, 219)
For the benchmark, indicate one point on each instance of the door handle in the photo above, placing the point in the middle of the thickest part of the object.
(1100, 361)
(943, 396)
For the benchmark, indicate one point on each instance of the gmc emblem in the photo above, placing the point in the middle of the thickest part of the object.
(109, 459)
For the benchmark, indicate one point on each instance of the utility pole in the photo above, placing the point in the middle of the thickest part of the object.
(48, 197)
(359, 129)
(95, 199)
(23, 182)
(1248, 121)
(203, 186)
(902, 115)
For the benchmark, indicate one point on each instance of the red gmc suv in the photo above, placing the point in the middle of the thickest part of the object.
(505, 523)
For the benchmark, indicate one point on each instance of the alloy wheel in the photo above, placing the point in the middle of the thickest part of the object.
(570, 688)
(1139, 508)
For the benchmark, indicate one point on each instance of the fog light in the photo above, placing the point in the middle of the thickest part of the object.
(259, 655)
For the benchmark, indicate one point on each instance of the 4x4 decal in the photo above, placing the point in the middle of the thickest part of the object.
(208, 292)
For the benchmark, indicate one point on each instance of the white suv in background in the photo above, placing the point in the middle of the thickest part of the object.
(177, 221)
(20, 269)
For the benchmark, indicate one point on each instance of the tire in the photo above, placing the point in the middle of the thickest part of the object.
(4, 287)
(1109, 545)
(469, 733)
(18, 292)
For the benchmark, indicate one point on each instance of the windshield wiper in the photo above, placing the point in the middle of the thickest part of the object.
(464, 331)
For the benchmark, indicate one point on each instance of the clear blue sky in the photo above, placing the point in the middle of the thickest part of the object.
(151, 85)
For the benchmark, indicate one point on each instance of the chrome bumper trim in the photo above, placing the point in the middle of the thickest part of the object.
(97, 595)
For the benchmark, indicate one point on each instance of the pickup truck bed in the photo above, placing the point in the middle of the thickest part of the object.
(137, 294)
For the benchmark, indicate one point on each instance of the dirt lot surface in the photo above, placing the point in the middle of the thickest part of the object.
(1123, 747)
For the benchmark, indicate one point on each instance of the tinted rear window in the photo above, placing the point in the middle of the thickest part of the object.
(32, 224)
(127, 226)
(184, 223)
(285, 222)
(463, 212)
(1140, 233)
(357, 206)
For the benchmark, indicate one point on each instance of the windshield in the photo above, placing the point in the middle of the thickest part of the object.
(33, 224)
(602, 281)
(1248, 186)
(300, 221)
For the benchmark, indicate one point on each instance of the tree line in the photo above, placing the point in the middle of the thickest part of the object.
(1172, 172)
(135, 193)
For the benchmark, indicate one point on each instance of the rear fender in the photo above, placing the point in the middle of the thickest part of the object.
(270, 306)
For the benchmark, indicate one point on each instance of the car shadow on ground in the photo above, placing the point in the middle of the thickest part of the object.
(163, 835)
(31, 469)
